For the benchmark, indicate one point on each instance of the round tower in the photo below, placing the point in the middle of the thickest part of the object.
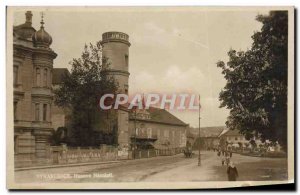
(116, 51)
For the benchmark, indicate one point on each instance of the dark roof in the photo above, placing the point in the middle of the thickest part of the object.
(162, 116)
(207, 131)
(58, 74)
(24, 30)
(232, 133)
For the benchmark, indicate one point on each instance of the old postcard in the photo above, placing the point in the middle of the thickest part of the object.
(149, 97)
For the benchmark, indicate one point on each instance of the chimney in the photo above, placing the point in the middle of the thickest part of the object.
(28, 17)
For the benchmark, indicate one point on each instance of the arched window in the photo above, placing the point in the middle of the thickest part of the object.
(45, 77)
(38, 77)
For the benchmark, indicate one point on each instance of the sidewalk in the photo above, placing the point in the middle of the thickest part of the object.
(88, 163)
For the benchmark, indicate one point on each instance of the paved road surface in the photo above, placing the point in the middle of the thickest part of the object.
(170, 168)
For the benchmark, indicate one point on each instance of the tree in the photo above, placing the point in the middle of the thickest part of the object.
(256, 88)
(59, 136)
(81, 91)
(240, 144)
(253, 143)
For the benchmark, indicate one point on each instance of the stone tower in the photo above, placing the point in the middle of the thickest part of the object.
(116, 50)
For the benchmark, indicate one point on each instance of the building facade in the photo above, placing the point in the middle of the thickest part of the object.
(33, 97)
(156, 128)
(233, 138)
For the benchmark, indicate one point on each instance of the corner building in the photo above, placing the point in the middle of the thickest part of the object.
(32, 95)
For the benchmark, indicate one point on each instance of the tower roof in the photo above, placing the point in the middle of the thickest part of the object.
(58, 74)
(25, 30)
(41, 38)
(114, 36)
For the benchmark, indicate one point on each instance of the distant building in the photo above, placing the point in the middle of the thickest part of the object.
(233, 138)
(208, 136)
(60, 117)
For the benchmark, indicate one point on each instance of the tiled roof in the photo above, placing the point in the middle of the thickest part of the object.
(231, 133)
(24, 30)
(208, 131)
(58, 74)
(158, 115)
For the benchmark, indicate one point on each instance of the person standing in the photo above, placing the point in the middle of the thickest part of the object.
(232, 172)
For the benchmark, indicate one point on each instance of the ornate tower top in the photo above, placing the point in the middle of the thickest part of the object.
(41, 38)
(115, 37)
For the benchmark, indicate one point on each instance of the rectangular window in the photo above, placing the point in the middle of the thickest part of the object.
(126, 60)
(45, 77)
(16, 144)
(16, 73)
(15, 110)
(37, 112)
(38, 77)
(45, 112)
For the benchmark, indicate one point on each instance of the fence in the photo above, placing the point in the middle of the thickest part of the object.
(137, 154)
(57, 155)
(65, 155)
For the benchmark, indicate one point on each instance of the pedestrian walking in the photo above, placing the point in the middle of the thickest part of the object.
(232, 172)
(230, 154)
(223, 161)
(227, 160)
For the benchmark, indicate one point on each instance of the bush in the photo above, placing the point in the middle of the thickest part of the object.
(276, 154)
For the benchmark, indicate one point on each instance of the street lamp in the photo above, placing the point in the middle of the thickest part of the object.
(199, 147)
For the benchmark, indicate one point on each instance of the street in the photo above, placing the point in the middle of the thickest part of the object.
(163, 168)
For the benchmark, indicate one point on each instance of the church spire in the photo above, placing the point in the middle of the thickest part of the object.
(42, 20)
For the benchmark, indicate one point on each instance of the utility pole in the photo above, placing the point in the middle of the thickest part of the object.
(134, 146)
(199, 157)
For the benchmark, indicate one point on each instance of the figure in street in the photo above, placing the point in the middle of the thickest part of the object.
(227, 160)
(232, 172)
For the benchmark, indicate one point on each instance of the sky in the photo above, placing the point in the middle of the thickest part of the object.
(173, 50)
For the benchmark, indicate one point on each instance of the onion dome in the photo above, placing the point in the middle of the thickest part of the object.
(41, 38)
